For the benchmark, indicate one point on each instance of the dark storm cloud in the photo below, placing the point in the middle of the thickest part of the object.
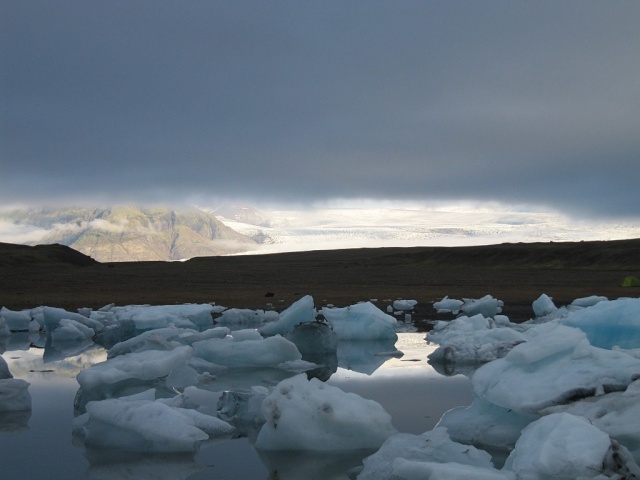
(301, 101)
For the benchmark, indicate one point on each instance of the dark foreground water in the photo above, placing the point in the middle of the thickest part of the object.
(39, 445)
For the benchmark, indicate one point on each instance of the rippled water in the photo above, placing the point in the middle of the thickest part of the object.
(40, 445)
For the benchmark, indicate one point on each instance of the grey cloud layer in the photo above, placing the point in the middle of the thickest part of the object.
(509, 101)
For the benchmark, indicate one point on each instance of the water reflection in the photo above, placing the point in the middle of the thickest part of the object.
(11, 422)
(122, 465)
(313, 466)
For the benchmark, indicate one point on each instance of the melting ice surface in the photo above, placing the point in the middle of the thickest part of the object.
(340, 394)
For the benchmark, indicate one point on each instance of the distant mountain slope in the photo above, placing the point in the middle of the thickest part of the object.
(128, 233)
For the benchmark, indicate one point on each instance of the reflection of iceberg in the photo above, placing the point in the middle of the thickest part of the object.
(365, 357)
(56, 350)
(11, 422)
(121, 465)
(318, 344)
(310, 465)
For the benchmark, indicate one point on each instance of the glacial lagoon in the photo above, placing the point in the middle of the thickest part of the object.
(41, 445)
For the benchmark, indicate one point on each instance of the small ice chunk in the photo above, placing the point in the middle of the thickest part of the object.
(448, 305)
(306, 414)
(486, 306)
(71, 331)
(404, 304)
(16, 321)
(543, 306)
(299, 312)
(585, 302)
(483, 423)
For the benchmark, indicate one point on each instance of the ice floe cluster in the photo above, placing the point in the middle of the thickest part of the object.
(558, 395)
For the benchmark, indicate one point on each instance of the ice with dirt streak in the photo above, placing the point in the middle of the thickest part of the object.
(304, 414)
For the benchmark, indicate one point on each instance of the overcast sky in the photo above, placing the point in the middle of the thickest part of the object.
(534, 102)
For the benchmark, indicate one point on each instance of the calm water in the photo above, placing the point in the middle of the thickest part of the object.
(40, 446)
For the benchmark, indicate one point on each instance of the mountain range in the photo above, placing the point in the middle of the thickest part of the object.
(131, 233)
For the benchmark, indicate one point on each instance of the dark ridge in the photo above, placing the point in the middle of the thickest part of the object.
(24, 256)
(616, 254)
(515, 273)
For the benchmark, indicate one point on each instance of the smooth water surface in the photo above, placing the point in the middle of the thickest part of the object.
(40, 446)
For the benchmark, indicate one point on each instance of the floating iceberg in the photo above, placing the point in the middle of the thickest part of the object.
(306, 414)
(362, 321)
(146, 426)
(15, 321)
(69, 331)
(268, 352)
(557, 365)
(543, 306)
(609, 323)
(472, 340)
(142, 366)
(483, 423)
(565, 447)
(487, 306)
(431, 455)
(616, 413)
(448, 305)
(299, 312)
(404, 304)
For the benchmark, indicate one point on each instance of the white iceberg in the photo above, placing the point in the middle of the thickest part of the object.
(268, 352)
(472, 340)
(448, 305)
(609, 323)
(486, 306)
(306, 414)
(404, 304)
(543, 306)
(430, 455)
(147, 365)
(362, 321)
(146, 426)
(616, 413)
(483, 423)
(299, 312)
(556, 365)
(561, 446)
